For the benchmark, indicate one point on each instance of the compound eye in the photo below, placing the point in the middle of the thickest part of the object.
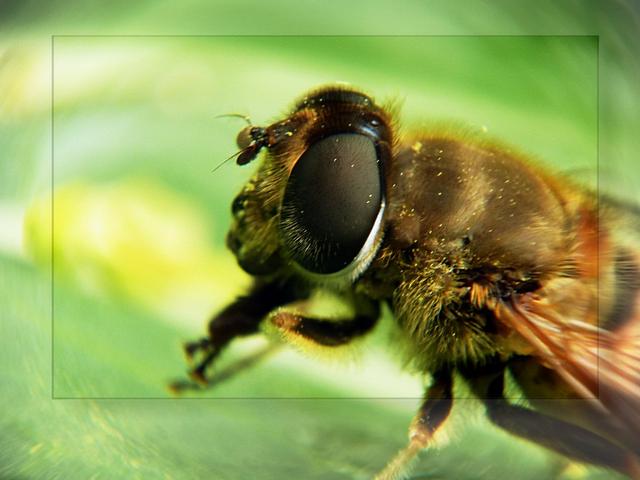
(331, 203)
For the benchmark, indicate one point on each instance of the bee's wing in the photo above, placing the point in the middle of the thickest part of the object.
(597, 363)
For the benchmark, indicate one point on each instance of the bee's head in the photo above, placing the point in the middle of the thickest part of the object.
(318, 199)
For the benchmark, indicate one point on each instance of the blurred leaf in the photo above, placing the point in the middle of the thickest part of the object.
(199, 438)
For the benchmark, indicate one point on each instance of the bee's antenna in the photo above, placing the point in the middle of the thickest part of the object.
(239, 152)
(236, 115)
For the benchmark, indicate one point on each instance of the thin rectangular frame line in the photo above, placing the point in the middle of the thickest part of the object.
(54, 36)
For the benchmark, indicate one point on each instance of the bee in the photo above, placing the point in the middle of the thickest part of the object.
(492, 267)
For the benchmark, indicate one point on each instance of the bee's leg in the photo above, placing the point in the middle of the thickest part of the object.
(434, 411)
(562, 437)
(292, 322)
(241, 318)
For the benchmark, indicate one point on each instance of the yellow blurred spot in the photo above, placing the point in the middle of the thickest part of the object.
(35, 448)
(574, 471)
(136, 239)
(25, 80)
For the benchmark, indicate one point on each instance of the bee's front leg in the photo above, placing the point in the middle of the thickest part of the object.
(295, 324)
(241, 318)
(433, 413)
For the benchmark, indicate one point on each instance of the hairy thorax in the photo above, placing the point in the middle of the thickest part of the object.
(469, 227)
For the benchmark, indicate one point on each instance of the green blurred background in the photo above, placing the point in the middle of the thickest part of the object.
(139, 217)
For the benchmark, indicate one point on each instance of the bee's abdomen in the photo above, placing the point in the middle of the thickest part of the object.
(624, 301)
